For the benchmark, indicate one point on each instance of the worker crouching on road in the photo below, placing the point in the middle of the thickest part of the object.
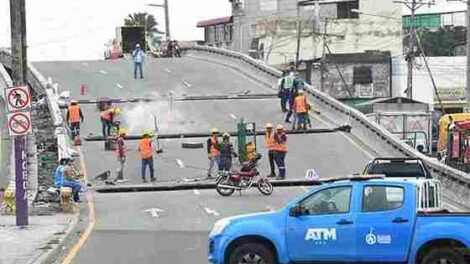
(301, 108)
(74, 116)
(280, 151)
(108, 119)
(64, 177)
(120, 154)
(226, 153)
(270, 143)
(146, 155)
(213, 151)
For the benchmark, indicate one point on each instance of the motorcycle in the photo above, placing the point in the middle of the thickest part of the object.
(229, 181)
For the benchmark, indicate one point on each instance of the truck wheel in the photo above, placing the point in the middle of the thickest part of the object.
(252, 253)
(443, 256)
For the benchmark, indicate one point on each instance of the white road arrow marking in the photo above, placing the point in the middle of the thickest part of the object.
(154, 211)
(103, 72)
(234, 117)
(211, 212)
(187, 84)
(180, 163)
(119, 86)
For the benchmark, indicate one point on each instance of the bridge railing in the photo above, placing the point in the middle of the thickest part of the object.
(371, 134)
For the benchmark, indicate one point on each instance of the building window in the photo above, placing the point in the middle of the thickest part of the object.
(344, 9)
(362, 75)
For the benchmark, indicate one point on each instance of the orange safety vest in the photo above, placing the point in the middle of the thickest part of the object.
(280, 146)
(301, 105)
(214, 148)
(145, 148)
(269, 141)
(74, 114)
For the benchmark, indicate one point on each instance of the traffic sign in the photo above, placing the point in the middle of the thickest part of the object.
(19, 123)
(18, 98)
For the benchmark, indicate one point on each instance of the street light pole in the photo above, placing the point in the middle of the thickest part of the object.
(19, 72)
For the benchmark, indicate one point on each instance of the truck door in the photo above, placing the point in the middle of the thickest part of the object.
(324, 229)
(385, 224)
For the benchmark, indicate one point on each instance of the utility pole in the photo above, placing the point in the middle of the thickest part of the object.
(467, 96)
(413, 6)
(19, 69)
(167, 17)
(299, 36)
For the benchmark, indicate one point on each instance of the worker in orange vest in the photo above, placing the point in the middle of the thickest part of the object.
(301, 110)
(74, 116)
(280, 151)
(146, 155)
(213, 151)
(108, 120)
(269, 143)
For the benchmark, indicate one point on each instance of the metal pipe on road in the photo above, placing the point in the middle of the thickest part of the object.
(345, 128)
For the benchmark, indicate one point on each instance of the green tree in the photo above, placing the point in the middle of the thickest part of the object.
(441, 42)
(148, 21)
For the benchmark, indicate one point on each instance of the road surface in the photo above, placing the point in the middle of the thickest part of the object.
(125, 230)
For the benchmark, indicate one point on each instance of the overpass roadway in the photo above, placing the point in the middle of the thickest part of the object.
(125, 229)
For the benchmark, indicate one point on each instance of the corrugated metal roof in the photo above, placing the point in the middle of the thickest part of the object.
(215, 21)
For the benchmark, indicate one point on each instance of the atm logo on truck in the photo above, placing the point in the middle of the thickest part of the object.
(321, 235)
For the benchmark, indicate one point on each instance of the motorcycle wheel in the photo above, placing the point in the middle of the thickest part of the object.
(224, 191)
(265, 187)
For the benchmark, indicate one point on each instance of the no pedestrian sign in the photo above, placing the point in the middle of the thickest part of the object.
(19, 124)
(18, 98)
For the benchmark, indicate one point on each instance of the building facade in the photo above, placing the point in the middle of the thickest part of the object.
(218, 32)
(441, 13)
(270, 28)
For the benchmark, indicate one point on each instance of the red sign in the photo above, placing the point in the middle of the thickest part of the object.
(19, 124)
(18, 98)
(455, 152)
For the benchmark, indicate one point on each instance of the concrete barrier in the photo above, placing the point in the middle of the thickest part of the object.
(456, 183)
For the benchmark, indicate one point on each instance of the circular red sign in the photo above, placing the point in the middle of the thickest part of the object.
(19, 123)
(18, 98)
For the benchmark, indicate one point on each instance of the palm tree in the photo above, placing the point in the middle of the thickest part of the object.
(150, 24)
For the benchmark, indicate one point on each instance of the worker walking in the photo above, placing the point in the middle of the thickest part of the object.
(301, 110)
(146, 155)
(280, 151)
(287, 83)
(213, 151)
(138, 56)
(74, 116)
(108, 120)
(296, 83)
(226, 153)
(120, 154)
(270, 143)
(280, 94)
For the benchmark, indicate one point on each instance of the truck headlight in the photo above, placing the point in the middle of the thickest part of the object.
(219, 226)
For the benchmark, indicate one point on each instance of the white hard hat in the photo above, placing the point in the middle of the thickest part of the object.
(300, 91)
(280, 127)
(214, 131)
(137, 45)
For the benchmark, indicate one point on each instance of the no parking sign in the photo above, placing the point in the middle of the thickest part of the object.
(19, 124)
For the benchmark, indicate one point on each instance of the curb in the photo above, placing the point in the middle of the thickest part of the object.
(199, 186)
(50, 255)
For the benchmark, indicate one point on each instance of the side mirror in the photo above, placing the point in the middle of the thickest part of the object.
(295, 211)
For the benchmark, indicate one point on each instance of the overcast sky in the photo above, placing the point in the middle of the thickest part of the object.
(78, 29)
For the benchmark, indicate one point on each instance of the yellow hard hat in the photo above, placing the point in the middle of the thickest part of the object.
(122, 131)
(269, 125)
(214, 130)
(280, 127)
(117, 111)
(147, 133)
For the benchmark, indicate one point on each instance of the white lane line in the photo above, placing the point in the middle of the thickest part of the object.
(103, 72)
(180, 163)
(119, 86)
(153, 211)
(167, 71)
(234, 117)
(211, 212)
(196, 192)
(368, 154)
(270, 208)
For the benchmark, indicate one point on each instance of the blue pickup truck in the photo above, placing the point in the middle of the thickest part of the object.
(360, 220)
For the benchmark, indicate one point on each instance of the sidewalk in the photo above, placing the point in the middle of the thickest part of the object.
(26, 245)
